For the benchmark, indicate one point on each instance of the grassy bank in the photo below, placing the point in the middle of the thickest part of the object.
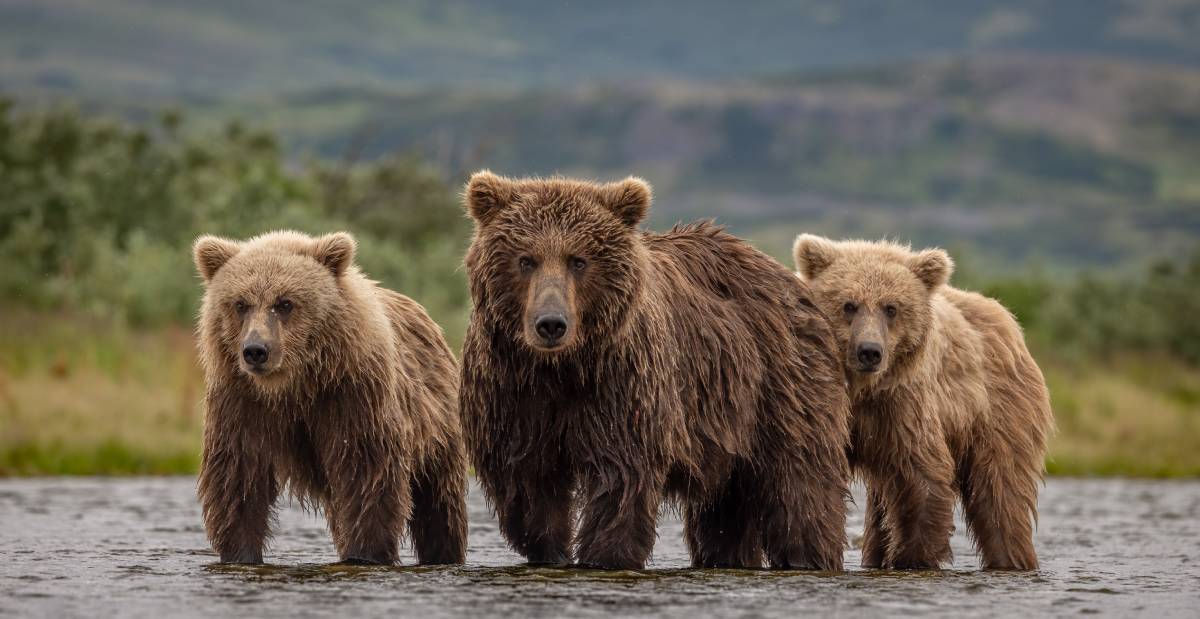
(1136, 417)
(80, 397)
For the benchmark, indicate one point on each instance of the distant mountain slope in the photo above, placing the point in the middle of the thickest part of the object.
(223, 48)
(1071, 129)
(1077, 160)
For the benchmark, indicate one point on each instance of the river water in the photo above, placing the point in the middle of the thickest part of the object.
(135, 547)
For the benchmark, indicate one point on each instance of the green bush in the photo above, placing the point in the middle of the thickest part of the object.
(98, 217)
(1092, 318)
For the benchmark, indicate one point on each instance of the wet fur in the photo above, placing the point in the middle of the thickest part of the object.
(701, 374)
(363, 425)
(961, 411)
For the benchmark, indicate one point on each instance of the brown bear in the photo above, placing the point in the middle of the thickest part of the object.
(321, 381)
(946, 400)
(607, 369)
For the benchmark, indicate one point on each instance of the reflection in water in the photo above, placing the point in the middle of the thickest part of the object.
(135, 547)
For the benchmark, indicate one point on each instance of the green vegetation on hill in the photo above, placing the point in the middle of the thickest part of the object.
(98, 215)
(97, 364)
(1073, 162)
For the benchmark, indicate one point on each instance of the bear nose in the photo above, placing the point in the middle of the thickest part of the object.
(255, 353)
(870, 354)
(551, 327)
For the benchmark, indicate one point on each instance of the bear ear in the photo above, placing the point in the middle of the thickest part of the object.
(813, 254)
(629, 199)
(486, 194)
(211, 253)
(335, 251)
(932, 266)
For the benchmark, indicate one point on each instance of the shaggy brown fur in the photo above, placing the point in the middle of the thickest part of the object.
(353, 404)
(946, 400)
(683, 366)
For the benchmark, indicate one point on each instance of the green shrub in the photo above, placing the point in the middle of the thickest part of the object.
(98, 217)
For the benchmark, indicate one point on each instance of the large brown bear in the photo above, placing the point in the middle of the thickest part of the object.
(606, 369)
(321, 381)
(946, 400)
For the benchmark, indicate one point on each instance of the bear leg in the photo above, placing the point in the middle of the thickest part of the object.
(617, 527)
(722, 533)
(920, 519)
(536, 518)
(237, 494)
(438, 525)
(802, 508)
(875, 534)
(1000, 504)
(366, 535)
(367, 510)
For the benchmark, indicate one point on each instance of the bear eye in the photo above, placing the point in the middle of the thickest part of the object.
(849, 308)
(240, 306)
(526, 263)
(890, 311)
(283, 306)
(577, 264)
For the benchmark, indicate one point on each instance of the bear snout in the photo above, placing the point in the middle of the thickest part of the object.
(549, 313)
(256, 354)
(551, 327)
(869, 356)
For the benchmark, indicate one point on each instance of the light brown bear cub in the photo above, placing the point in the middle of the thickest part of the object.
(323, 382)
(946, 400)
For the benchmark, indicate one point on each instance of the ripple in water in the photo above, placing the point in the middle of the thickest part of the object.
(135, 547)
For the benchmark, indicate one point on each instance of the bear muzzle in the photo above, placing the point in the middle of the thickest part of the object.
(261, 354)
(549, 318)
(867, 352)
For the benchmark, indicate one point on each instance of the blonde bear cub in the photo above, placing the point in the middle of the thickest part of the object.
(946, 402)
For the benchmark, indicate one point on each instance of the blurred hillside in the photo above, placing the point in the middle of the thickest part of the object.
(221, 48)
(1064, 134)
(1064, 161)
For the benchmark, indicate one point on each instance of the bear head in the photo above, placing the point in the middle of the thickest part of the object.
(876, 294)
(268, 299)
(555, 263)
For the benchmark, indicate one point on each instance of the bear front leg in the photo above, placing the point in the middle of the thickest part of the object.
(438, 525)
(801, 502)
(722, 534)
(535, 515)
(617, 527)
(367, 529)
(369, 502)
(919, 519)
(875, 534)
(237, 490)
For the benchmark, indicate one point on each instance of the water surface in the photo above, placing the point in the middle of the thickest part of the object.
(135, 547)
